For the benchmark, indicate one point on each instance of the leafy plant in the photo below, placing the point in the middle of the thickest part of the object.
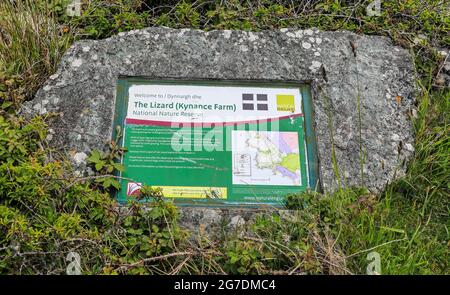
(107, 163)
(101, 19)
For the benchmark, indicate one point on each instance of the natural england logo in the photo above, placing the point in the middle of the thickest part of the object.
(285, 103)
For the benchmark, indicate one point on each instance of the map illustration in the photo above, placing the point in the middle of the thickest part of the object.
(265, 158)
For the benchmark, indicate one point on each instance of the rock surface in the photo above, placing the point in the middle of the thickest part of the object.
(82, 91)
(443, 78)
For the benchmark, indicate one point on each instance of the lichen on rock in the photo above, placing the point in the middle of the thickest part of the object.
(358, 67)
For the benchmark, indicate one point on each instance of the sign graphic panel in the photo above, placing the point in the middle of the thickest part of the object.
(215, 143)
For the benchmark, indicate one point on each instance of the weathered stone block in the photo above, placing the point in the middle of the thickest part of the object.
(83, 89)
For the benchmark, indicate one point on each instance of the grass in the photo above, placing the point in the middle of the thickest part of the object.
(31, 44)
(42, 209)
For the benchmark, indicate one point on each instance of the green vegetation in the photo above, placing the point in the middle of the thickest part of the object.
(31, 44)
(46, 211)
(107, 163)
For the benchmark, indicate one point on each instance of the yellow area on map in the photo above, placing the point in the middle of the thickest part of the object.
(195, 192)
(291, 162)
(285, 103)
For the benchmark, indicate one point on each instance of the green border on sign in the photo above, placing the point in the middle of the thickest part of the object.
(121, 106)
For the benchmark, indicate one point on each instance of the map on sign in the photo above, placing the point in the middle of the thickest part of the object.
(266, 158)
(213, 143)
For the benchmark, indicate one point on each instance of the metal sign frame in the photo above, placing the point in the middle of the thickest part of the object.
(121, 107)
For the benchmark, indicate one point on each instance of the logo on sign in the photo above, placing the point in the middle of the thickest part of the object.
(134, 188)
(285, 103)
(249, 103)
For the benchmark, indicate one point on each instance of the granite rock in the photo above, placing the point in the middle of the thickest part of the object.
(340, 67)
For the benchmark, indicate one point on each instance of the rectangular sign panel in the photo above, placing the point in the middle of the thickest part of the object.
(216, 143)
